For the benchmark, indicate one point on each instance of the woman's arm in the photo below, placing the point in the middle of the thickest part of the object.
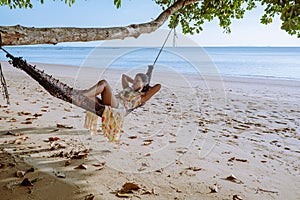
(126, 80)
(152, 91)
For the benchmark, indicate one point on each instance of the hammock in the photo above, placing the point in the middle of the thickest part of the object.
(59, 89)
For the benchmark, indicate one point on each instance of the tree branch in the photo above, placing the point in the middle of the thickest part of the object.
(20, 35)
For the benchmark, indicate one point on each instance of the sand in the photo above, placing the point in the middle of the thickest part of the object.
(198, 138)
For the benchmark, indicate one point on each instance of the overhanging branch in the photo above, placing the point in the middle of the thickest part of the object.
(20, 35)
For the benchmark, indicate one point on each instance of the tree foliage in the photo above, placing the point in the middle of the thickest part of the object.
(192, 17)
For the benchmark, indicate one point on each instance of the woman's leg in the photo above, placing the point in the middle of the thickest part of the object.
(103, 88)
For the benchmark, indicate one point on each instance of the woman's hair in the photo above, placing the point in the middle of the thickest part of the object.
(145, 79)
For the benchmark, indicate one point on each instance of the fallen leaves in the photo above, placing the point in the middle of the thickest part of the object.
(100, 165)
(214, 188)
(132, 137)
(89, 197)
(27, 182)
(20, 140)
(186, 171)
(233, 179)
(60, 175)
(63, 126)
(81, 166)
(72, 154)
(20, 173)
(51, 139)
(129, 189)
(23, 113)
(195, 169)
(14, 134)
(147, 142)
(237, 197)
(237, 159)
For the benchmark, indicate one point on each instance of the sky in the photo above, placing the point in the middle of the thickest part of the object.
(95, 13)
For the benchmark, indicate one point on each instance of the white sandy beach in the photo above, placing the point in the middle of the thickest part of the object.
(188, 142)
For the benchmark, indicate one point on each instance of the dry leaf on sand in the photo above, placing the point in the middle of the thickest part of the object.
(132, 137)
(63, 126)
(20, 140)
(82, 166)
(195, 169)
(232, 178)
(50, 139)
(20, 173)
(26, 182)
(60, 175)
(89, 197)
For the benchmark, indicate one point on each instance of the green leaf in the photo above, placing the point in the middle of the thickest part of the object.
(117, 3)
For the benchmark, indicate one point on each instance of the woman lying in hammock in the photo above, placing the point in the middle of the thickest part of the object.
(129, 98)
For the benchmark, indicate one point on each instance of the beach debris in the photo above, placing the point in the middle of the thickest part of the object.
(36, 179)
(80, 154)
(55, 146)
(20, 173)
(152, 191)
(63, 126)
(147, 142)
(214, 188)
(237, 159)
(123, 195)
(195, 169)
(51, 139)
(237, 197)
(12, 120)
(37, 115)
(233, 179)
(81, 166)
(30, 170)
(23, 113)
(14, 134)
(89, 197)
(132, 137)
(72, 154)
(26, 122)
(100, 165)
(67, 109)
(127, 190)
(263, 190)
(67, 163)
(176, 189)
(26, 182)
(12, 164)
(75, 116)
(20, 140)
(60, 175)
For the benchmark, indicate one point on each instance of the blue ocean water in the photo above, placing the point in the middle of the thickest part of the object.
(263, 62)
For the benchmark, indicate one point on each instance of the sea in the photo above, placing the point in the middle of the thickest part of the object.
(252, 62)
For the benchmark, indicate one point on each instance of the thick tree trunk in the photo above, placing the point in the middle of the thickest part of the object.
(20, 35)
